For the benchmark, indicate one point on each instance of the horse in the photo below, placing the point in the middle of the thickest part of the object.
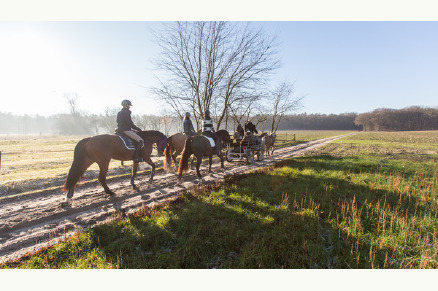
(251, 127)
(101, 149)
(200, 147)
(175, 146)
(224, 135)
(269, 140)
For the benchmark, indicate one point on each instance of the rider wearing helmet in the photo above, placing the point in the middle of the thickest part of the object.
(208, 129)
(240, 130)
(125, 126)
(188, 125)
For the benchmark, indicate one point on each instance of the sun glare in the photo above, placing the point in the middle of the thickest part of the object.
(30, 64)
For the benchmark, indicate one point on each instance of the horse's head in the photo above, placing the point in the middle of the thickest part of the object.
(161, 145)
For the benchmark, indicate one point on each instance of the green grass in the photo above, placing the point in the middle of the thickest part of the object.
(350, 204)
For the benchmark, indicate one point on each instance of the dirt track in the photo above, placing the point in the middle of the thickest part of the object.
(29, 223)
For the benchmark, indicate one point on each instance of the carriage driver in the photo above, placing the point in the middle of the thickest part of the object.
(125, 126)
(188, 126)
(208, 129)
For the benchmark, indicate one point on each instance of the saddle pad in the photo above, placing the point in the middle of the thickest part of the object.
(210, 140)
(129, 143)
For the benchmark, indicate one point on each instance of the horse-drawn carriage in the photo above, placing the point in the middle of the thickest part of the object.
(245, 149)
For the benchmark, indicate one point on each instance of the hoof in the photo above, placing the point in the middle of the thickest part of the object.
(109, 192)
(135, 188)
(66, 203)
(151, 180)
(223, 170)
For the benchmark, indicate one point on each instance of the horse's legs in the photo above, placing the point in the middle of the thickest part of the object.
(103, 166)
(148, 160)
(174, 158)
(70, 192)
(221, 156)
(210, 161)
(134, 173)
(198, 165)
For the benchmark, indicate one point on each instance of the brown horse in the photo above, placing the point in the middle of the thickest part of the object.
(269, 140)
(200, 147)
(175, 145)
(101, 149)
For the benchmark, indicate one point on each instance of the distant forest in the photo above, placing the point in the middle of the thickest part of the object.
(412, 118)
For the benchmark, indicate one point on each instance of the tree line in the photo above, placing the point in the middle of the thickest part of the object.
(93, 124)
(412, 118)
(409, 119)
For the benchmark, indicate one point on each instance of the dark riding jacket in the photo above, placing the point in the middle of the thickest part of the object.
(124, 121)
(188, 127)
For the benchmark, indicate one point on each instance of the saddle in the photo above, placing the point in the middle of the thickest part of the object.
(130, 144)
(210, 140)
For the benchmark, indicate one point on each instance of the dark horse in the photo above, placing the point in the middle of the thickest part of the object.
(200, 147)
(176, 142)
(101, 149)
(224, 136)
(251, 127)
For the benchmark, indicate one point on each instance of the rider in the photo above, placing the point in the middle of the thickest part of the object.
(240, 130)
(208, 129)
(188, 126)
(249, 125)
(125, 126)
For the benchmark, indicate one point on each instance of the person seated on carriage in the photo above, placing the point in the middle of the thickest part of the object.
(250, 126)
(208, 129)
(125, 126)
(247, 138)
(188, 126)
(240, 130)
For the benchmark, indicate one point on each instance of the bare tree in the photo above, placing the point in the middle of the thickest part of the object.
(212, 63)
(72, 99)
(283, 102)
(108, 121)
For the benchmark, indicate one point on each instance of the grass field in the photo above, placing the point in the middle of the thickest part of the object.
(366, 201)
(35, 163)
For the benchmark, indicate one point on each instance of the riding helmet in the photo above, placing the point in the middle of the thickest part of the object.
(188, 114)
(126, 102)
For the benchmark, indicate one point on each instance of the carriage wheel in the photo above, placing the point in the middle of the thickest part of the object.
(260, 155)
(249, 157)
(227, 158)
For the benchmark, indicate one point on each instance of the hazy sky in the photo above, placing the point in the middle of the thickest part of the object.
(339, 66)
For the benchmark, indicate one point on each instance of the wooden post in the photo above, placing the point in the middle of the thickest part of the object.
(286, 136)
(294, 136)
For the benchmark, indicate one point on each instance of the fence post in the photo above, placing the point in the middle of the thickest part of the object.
(294, 136)
(286, 136)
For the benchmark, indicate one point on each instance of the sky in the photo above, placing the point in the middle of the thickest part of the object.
(339, 66)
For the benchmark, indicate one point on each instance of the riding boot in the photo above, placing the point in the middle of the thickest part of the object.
(137, 156)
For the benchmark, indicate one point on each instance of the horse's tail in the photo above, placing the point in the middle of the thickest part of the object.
(187, 152)
(77, 167)
(168, 154)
